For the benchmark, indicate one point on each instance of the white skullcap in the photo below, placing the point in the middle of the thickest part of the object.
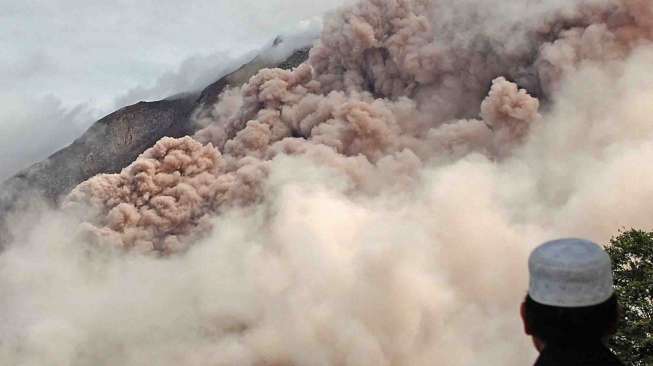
(570, 273)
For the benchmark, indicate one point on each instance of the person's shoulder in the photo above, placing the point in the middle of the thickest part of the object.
(599, 356)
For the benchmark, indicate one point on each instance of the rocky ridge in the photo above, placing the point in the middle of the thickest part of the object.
(114, 141)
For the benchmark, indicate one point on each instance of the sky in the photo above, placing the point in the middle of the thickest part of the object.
(66, 63)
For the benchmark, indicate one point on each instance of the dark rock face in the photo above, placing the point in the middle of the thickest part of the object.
(108, 146)
(116, 140)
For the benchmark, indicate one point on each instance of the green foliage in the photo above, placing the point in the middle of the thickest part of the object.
(632, 261)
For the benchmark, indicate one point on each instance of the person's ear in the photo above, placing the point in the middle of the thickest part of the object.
(522, 311)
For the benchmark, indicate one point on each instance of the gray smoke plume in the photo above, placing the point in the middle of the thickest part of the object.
(374, 206)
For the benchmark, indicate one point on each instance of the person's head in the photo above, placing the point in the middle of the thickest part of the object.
(571, 300)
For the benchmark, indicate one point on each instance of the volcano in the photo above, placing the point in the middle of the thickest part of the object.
(372, 202)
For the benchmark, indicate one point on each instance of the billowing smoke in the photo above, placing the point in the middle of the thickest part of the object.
(373, 206)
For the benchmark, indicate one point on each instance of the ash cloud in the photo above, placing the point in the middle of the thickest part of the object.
(68, 63)
(374, 206)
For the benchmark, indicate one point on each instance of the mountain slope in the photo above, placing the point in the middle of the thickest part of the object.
(116, 140)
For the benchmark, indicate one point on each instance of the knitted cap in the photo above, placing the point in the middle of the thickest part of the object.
(570, 273)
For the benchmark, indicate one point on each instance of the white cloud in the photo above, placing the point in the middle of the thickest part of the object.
(32, 128)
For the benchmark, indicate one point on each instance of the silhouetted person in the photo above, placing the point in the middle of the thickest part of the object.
(571, 308)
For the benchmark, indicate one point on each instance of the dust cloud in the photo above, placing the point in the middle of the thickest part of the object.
(374, 206)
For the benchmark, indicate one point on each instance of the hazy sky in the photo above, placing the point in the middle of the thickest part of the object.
(67, 62)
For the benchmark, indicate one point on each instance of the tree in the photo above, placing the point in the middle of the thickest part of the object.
(632, 261)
